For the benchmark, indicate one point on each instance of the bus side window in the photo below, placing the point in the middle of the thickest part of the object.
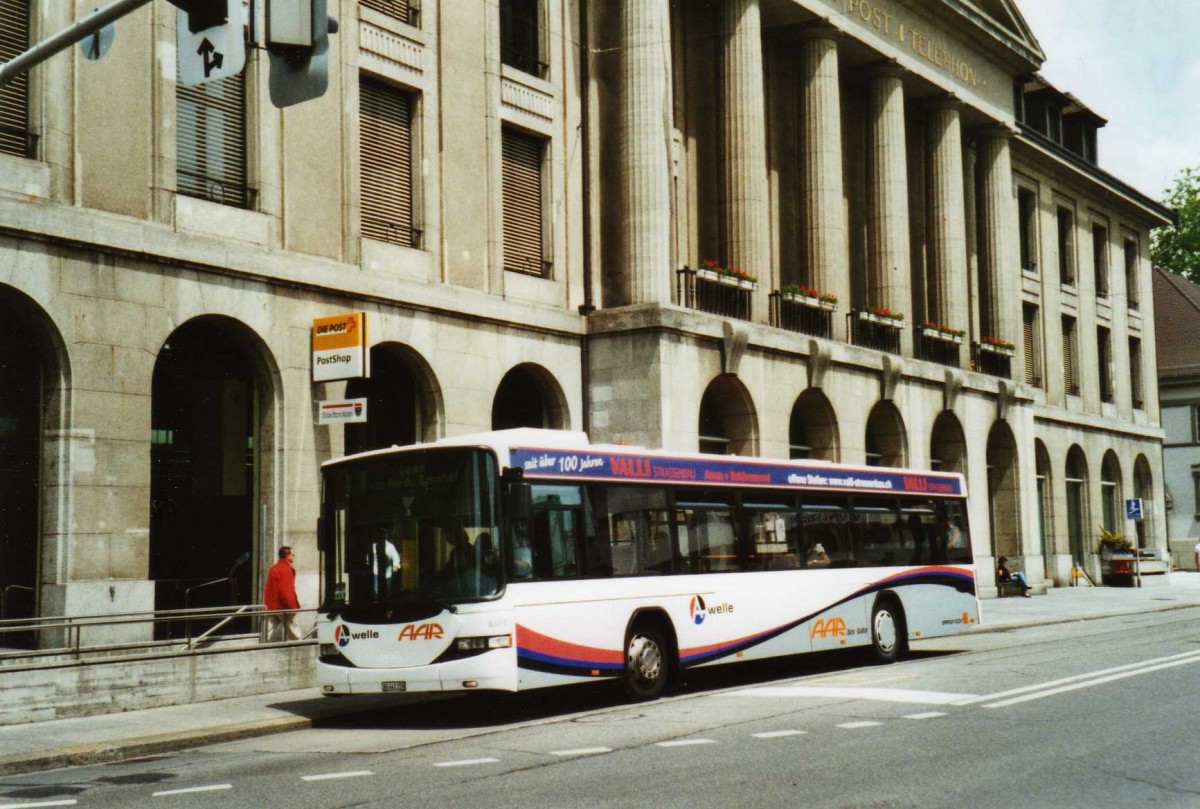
(551, 550)
(707, 530)
(639, 537)
(824, 530)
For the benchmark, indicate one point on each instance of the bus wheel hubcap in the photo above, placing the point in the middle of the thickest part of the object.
(885, 630)
(645, 658)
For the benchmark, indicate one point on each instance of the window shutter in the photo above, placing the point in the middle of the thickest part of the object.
(210, 141)
(1068, 356)
(385, 172)
(1031, 374)
(522, 184)
(14, 96)
(397, 9)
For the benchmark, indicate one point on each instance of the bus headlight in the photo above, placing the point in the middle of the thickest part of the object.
(481, 643)
(327, 650)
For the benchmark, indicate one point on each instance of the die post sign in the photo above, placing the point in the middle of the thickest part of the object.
(339, 347)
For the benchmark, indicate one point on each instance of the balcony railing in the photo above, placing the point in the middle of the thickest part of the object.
(938, 346)
(802, 314)
(870, 330)
(716, 294)
(992, 359)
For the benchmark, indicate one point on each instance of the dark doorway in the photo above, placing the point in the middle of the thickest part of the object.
(202, 489)
(20, 467)
(519, 402)
(393, 405)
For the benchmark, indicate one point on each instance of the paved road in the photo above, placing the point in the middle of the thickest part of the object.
(1095, 713)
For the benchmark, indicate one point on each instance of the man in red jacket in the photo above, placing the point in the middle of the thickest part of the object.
(280, 594)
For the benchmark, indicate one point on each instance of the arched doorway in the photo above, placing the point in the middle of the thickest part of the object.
(529, 396)
(403, 401)
(1076, 480)
(886, 440)
(207, 406)
(728, 424)
(947, 444)
(813, 429)
(1112, 515)
(1003, 491)
(1044, 489)
(32, 389)
(1143, 487)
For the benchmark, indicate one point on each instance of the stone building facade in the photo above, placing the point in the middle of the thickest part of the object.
(678, 224)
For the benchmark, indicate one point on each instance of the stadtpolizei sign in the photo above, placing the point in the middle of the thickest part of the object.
(339, 347)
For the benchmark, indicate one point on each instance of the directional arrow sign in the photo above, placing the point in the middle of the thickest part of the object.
(213, 53)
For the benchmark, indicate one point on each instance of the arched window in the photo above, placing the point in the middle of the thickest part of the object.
(1076, 482)
(886, 441)
(727, 423)
(528, 396)
(812, 429)
(947, 444)
(1003, 495)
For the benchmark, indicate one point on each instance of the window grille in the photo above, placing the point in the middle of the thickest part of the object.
(15, 137)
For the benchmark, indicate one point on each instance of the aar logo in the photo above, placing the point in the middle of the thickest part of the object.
(828, 628)
(697, 609)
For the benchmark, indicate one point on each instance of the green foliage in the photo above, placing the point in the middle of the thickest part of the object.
(1177, 247)
(1112, 541)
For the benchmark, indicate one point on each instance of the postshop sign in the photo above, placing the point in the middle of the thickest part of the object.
(339, 347)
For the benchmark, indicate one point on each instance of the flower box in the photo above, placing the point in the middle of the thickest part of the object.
(746, 283)
(809, 301)
(1003, 351)
(937, 334)
(881, 320)
(709, 275)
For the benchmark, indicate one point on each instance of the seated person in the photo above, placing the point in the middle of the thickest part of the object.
(1003, 574)
(817, 557)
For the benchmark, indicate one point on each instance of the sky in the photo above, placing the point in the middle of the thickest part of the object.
(1136, 63)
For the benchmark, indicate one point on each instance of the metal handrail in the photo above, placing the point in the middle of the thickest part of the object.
(187, 594)
(4, 597)
(193, 643)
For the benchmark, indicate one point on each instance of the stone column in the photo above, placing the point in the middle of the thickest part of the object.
(823, 214)
(889, 273)
(947, 222)
(645, 152)
(999, 259)
(746, 211)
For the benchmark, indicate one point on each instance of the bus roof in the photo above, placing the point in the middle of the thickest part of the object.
(569, 455)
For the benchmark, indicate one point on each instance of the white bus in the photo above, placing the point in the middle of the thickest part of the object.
(529, 558)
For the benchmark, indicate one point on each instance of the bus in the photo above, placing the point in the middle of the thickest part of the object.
(528, 558)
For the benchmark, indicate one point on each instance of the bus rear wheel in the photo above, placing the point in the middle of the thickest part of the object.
(888, 634)
(646, 665)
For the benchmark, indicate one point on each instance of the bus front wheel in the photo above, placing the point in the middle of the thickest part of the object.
(887, 630)
(646, 664)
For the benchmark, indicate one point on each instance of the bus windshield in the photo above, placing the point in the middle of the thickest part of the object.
(412, 526)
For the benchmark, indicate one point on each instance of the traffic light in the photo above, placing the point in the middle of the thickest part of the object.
(298, 46)
(204, 14)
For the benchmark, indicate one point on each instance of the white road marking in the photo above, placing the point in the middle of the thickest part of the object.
(466, 762)
(1184, 657)
(684, 742)
(926, 715)
(841, 692)
(581, 751)
(1088, 684)
(212, 788)
(28, 805)
(329, 776)
(857, 725)
(776, 734)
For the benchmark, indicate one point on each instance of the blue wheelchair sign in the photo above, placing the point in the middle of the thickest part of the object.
(1133, 508)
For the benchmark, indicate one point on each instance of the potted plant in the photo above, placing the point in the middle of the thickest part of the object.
(940, 331)
(883, 316)
(997, 346)
(809, 296)
(1112, 542)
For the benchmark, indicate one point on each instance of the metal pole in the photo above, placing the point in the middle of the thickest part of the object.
(66, 38)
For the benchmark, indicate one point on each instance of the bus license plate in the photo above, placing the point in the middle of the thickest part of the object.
(395, 685)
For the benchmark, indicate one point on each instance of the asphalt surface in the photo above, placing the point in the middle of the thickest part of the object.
(114, 737)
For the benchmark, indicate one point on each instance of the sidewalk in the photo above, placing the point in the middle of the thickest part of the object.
(112, 737)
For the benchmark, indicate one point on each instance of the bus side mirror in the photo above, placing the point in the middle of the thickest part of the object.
(520, 499)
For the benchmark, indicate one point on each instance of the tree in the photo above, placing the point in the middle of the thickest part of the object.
(1177, 247)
